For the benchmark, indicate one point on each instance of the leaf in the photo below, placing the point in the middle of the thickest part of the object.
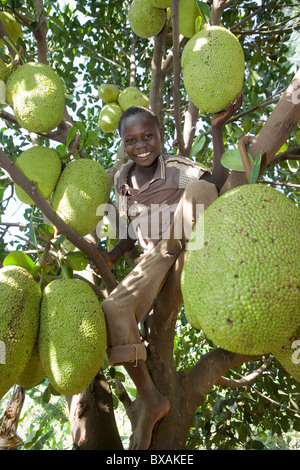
(76, 260)
(32, 234)
(232, 160)
(198, 145)
(46, 231)
(204, 10)
(38, 445)
(255, 168)
(18, 258)
(71, 135)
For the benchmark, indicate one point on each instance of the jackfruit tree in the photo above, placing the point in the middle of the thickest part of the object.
(223, 337)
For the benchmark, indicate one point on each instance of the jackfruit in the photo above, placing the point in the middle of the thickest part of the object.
(19, 321)
(109, 117)
(161, 3)
(41, 165)
(4, 71)
(82, 187)
(144, 19)
(36, 94)
(108, 92)
(34, 372)
(188, 12)
(213, 67)
(4, 74)
(11, 25)
(289, 355)
(132, 96)
(240, 283)
(72, 335)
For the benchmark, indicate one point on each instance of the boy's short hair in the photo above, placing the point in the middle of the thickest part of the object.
(132, 110)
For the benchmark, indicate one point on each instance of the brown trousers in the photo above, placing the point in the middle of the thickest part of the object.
(129, 302)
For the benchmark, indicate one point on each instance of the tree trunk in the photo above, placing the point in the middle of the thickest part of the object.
(92, 418)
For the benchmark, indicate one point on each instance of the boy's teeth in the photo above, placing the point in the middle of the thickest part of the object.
(143, 155)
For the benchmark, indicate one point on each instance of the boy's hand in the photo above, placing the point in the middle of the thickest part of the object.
(220, 119)
(107, 259)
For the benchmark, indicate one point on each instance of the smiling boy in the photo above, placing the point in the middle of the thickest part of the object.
(151, 182)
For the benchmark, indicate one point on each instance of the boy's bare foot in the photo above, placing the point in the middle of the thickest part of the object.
(148, 417)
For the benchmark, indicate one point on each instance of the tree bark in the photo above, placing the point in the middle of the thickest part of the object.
(92, 418)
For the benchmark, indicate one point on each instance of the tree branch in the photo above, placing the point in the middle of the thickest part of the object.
(276, 130)
(177, 69)
(216, 12)
(81, 243)
(225, 382)
(210, 368)
(8, 431)
(40, 32)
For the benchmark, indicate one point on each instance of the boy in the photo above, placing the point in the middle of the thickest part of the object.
(148, 183)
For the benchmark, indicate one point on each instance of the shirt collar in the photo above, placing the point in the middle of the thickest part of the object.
(160, 172)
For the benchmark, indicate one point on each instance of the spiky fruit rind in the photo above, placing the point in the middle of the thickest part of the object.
(36, 94)
(289, 355)
(4, 71)
(34, 372)
(108, 92)
(82, 187)
(72, 335)
(132, 96)
(213, 67)
(188, 12)
(161, 3)
(145, 20)
(41, 165)
(11, 25)
(241, 286)
(109, 117)
(20, 301)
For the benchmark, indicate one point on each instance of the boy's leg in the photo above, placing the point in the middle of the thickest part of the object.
(154, 405)
(132, 299)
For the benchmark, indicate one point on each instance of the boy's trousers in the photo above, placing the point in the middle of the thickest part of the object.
(129, 302)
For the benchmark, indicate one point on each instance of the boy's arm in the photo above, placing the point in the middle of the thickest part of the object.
(219, 173)
(118, 251)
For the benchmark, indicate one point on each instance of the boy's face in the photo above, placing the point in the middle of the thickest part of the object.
(142, 139)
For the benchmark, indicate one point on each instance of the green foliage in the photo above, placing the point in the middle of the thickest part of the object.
(91, 45)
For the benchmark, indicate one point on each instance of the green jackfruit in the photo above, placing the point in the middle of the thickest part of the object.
(188, 12)
(72, 335)
(108, 92)
(289, 355)
(109, 117)
(145, 20)
(36, 94)
(132, 96)
(41, 165)
(241, 285)
(11, 25)
(4, 71)
(213, 67)
(161, 3)
(34, 372)
(19, 321)
(81, 188)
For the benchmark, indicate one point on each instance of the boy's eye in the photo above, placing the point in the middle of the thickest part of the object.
(148, 136)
